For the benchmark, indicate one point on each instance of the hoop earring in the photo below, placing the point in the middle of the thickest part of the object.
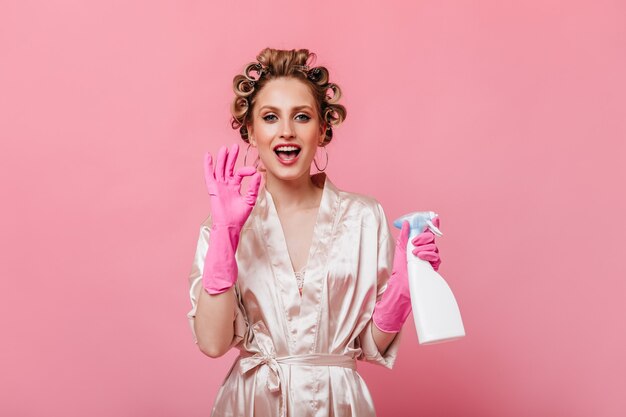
(315, 161)
(245, 158)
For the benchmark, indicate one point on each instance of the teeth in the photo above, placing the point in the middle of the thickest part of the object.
(287, 148)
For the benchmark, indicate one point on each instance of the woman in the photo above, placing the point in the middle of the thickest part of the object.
(297, 275)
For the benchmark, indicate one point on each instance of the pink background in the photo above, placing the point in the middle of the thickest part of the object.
(507, 118)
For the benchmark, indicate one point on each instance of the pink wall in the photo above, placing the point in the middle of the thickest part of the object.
(505, 117)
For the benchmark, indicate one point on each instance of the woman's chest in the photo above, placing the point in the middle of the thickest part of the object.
(298, 229)
(336, 255)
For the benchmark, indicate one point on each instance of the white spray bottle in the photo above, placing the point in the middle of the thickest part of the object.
(435, 311)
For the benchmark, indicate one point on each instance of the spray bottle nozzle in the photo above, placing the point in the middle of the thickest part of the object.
(419, 221)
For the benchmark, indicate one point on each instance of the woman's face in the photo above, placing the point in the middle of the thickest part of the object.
(286, 129)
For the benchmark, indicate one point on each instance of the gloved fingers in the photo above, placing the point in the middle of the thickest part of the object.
(253, 190)
(428, 256)
(425, 237)
(232, 159)
(432, 257)
(222, 154)
(209, 178)
(435, 264)
(404, 235)
(243, 172)
(427, 248)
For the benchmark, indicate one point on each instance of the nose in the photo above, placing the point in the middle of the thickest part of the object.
(287, 130)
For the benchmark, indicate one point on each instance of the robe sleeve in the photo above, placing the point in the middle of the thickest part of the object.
(195, 287)
(386, 249)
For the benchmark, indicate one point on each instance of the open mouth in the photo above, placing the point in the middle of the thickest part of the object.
(287, 152)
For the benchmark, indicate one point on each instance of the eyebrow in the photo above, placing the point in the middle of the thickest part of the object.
(304, 106)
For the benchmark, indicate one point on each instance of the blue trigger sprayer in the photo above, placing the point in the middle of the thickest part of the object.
(435, 311)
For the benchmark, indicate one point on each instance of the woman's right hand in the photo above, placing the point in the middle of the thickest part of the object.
(228, 207)
(229, 212)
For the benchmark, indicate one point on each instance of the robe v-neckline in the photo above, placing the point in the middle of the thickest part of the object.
(301, 310)
(274, 209)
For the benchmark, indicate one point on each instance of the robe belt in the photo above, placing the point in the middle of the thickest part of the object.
(246, 363)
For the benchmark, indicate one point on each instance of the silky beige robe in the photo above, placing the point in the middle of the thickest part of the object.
(298, 354)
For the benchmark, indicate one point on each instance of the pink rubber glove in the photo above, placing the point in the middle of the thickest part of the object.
(229, 212)
(394, 307)
(426, 248)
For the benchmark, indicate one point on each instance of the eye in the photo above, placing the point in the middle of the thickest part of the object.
(306, 116)
(266, 117)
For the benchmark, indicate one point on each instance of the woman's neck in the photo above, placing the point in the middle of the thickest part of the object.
(300, 193)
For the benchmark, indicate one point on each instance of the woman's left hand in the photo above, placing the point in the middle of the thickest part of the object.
(391, 311)
(425, 247)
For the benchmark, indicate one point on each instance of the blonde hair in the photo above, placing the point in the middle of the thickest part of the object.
(276, 63)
